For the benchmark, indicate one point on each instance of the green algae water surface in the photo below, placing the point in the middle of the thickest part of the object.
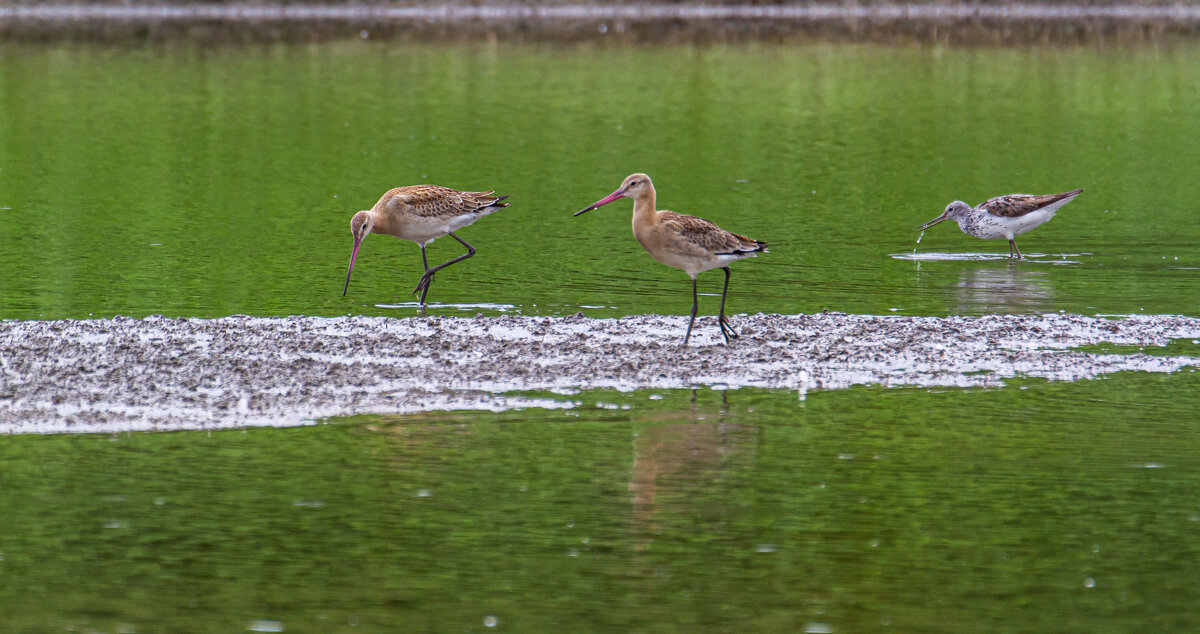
(1037, 507)
(208, 181)
(197, 181)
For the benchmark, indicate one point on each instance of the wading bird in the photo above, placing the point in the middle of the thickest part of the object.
(422, 213)
(684, 242)
(1005, 216)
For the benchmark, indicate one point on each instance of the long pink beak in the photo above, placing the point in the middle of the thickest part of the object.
(603, 201)
(354, 254)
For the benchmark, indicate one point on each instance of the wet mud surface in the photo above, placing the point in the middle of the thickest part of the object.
(163, 374)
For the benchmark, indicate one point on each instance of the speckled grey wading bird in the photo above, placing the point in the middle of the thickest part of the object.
(684, 242)
(1004, 216)
(423, 213)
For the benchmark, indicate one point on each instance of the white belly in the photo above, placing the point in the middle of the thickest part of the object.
(695, 265)
(1032, 219)
(426, 230)
(991, 227)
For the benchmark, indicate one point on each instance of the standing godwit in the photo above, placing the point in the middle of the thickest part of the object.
(1004, 216)
(422, 213)
(684, 242)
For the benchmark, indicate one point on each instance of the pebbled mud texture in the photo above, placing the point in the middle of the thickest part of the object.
(166, 374)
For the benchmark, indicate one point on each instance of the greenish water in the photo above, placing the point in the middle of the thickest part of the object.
(209, 181)
(193, 181)
(1037, 507)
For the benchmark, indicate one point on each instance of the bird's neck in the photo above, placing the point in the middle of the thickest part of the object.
(644, 213)
(383, 223)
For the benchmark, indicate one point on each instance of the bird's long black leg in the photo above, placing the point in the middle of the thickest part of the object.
(1012, 246)
(427, 277)
(425, 262)
(695, 309)
(727, 330)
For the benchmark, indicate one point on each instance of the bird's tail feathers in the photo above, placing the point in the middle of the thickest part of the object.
(748, 246)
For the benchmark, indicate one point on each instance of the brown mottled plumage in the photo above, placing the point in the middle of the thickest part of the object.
(1004, 216)
(684, 242)
(433, 201)
(1014, 205)
(707, 235)
(422, 214)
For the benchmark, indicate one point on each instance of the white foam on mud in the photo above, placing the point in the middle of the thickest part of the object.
(169, 374)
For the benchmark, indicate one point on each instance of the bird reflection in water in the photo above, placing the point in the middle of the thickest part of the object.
(674, 464)
(1004, 289)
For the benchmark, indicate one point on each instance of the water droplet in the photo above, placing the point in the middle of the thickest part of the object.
(1089, 583)
(312, 504)
(115, 524)
(364, 34)
(570, 523)
(160, 501)
(764, 548)
(572, 552)
(874, 543)
(845, 456)
(490, 621)
(424, 493)
(659, 397)
(1095, 548)
(265, 626)
(818, 628)
(585, 540)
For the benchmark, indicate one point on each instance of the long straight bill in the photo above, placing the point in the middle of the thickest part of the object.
(932, 222)
(603, 201)
(353, 254)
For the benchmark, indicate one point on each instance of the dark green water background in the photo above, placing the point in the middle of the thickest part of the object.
(1038, 507)
(192, 181)
(205, 182)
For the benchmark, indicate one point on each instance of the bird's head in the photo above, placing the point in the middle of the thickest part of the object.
(360, 225)
(634, 186)
(956, 210)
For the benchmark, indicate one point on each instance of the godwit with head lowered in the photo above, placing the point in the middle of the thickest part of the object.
(683, 242)
(1004, 216)
(423, 213)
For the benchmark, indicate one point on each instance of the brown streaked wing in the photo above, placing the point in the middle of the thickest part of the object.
(479, 200)
(1016, 205)
(435, 201)
(706, 234)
